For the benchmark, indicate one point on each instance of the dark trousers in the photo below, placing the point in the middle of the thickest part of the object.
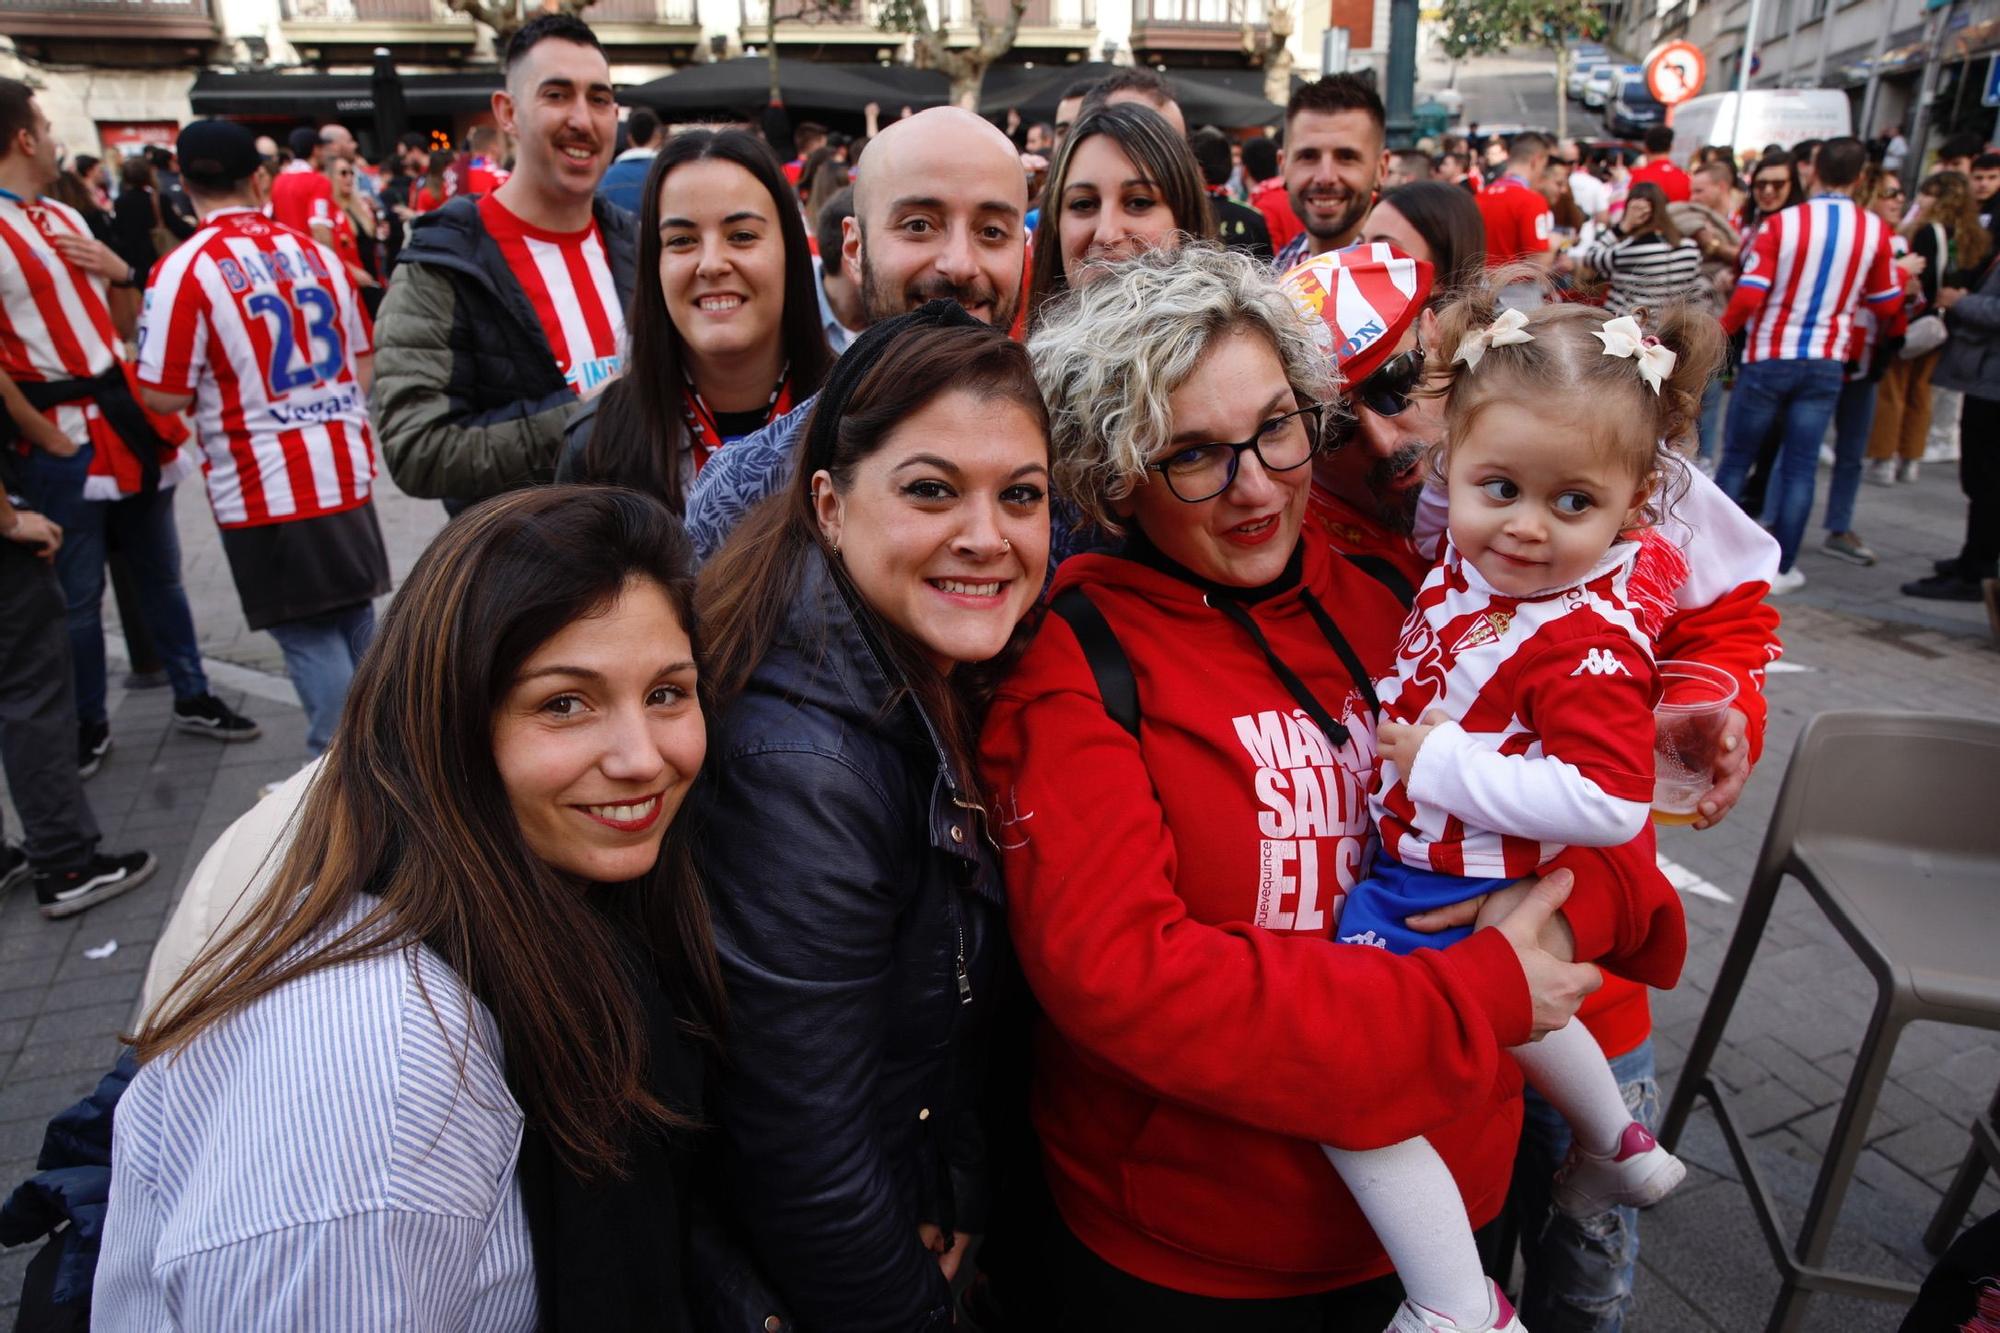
(1098, 1298)
(1979, 477)
(38, 714)
(143, 528)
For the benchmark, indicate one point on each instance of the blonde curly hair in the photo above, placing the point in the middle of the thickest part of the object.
(1110, 354)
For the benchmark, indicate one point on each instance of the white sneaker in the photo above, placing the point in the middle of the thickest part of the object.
(1638, 1175)
(1414, 1318)
(1906, 470)
(1788, 580)
(1881, 471)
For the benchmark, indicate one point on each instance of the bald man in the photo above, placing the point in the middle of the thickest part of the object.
(939, 209)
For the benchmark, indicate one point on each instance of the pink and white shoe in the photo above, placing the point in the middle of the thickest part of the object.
(1414, 1318)
(1638, 1175)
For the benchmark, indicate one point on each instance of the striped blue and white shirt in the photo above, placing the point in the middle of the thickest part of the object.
(318, 1161)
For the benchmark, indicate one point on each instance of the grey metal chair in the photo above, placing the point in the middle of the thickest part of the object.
(1890, 821)
(1982, 1156)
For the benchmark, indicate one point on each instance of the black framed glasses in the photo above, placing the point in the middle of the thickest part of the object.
(1771, 185)
(1204, 471)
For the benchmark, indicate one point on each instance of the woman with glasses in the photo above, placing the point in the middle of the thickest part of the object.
(355, 237)
(1208, 689)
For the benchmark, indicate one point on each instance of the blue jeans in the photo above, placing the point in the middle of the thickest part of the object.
(1708, 428)
(321, 653)
(1578, 1270)
(1795, 398)
(143, 528)
(1853, 414)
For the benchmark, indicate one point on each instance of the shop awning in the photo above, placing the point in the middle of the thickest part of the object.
(733, 87)
(1206, 95)
(312, 95)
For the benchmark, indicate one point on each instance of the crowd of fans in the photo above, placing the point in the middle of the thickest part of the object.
(1003, 597)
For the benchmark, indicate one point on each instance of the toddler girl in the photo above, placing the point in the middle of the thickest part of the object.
(1519, 721)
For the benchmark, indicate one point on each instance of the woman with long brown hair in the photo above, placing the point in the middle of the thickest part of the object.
(1945, 233)
(725, 333)
(857, 902)
(442, 1074)
(1125, 182)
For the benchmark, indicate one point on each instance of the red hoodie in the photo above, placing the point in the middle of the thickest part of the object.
(1171, 898)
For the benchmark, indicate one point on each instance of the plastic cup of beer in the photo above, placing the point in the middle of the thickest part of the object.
(1688, 724)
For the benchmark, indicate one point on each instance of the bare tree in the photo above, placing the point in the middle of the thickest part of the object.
(965, 66)
(505, 17)
(1272, 49)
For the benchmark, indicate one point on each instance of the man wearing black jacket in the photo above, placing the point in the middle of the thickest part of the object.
(480, 362)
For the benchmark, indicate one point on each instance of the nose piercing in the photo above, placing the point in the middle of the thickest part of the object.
(1006, 545)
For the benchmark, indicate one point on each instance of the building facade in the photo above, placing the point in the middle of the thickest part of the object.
(117, 74)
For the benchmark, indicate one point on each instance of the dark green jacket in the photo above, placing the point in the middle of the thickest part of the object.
(467, 399)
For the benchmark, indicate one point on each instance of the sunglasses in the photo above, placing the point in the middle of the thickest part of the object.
(1387, 392)
(1770, 185)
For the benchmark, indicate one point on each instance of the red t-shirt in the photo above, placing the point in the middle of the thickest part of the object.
(1517, 220)
(1672, 181)
(300, 197)
(567, 278)
(1270, 199)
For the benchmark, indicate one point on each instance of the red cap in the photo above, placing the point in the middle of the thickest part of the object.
(1359, 302)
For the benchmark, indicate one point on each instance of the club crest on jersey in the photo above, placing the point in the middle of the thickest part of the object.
(1487, 629)
(1600, 662)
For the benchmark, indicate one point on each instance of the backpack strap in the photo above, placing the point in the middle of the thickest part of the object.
(1106, 656)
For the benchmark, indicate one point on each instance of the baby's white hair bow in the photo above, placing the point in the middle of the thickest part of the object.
(1623, 337)
(1510, 328)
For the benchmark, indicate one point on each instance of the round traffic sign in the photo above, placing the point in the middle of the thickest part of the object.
(1675, 72)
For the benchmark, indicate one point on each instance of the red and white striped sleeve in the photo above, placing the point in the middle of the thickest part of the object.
(173, 333)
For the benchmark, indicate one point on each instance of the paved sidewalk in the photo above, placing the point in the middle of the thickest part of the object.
(1853, 641)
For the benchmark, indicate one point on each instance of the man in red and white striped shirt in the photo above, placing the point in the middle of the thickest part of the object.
(1804, 275)
(57, 342)
(258, 327)
(507, 310)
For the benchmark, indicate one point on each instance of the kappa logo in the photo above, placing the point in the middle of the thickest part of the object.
(1365, 937)
(1487, 629)
(1600, 662)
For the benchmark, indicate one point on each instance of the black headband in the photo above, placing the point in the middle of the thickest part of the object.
(860, 358)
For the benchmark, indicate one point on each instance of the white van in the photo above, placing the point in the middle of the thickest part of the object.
(1751, 120)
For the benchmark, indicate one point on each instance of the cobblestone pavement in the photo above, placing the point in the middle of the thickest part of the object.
(1851, 642)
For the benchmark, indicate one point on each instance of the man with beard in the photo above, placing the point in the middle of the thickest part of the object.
(1368, 501)
(939, 213)
(508, 309)
(1334, 135)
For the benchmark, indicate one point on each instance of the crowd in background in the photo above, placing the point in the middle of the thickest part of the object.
(538, 1047)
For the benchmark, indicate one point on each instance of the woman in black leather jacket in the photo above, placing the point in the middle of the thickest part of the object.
(858, 907)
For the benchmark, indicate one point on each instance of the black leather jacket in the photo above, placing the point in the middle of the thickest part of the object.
(858, 915)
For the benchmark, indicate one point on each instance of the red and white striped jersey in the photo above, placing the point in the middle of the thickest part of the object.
(262, 326)
(1815, 263)
(567, 277)
(1562, 683)
(55, 322)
